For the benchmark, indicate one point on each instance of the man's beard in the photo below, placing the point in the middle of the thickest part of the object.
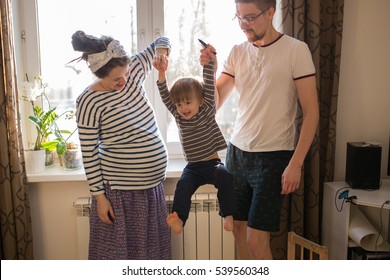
(255, 37)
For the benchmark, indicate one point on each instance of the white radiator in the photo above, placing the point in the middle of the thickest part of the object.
(83, 208)
(203, 237)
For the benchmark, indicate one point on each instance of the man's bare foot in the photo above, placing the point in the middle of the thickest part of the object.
(175, 223)
(228, 223)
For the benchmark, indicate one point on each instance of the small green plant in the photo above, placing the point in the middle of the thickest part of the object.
(61, 142)
(35, 92)
(46, 121)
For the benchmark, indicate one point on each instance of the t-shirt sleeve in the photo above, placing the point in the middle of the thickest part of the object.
(302, 62)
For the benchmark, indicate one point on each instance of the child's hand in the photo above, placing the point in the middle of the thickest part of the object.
(160, 63)
(207, 55)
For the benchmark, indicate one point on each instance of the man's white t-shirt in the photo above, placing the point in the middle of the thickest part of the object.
(268, 100)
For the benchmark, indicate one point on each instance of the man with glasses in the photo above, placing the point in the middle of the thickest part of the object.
(272, 74)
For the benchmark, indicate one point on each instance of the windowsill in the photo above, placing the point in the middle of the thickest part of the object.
(59, 174)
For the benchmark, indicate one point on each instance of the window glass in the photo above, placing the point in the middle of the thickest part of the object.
(57, 21)
(184, 22)
(211, 21)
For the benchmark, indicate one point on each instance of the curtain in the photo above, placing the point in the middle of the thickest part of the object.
(16, 229)
(318, 23)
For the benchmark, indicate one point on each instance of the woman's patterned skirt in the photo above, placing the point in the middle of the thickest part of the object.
(139, 231)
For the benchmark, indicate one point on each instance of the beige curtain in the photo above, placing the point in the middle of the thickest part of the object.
(319, 23)
(16, 229)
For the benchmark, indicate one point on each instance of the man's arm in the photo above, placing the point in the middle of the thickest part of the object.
(224, 86)
(307, 95)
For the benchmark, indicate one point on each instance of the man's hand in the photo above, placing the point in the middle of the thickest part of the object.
(290, 179)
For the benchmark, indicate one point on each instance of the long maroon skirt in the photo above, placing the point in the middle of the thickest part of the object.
(139, 232)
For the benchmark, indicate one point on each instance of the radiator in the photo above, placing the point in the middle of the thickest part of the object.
(83, 208)
(203, 237)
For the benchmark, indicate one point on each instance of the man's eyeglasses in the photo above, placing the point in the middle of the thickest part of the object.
(249, 20)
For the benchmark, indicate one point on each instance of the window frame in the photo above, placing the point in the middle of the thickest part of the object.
(150, 26)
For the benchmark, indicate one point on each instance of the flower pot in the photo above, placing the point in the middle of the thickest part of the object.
(35, 161)
(49, 158)
(72, 159)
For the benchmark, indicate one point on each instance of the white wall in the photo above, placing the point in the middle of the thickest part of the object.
(54, 219)
(364, 93)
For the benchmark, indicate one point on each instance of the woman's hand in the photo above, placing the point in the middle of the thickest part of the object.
(104, 209)
(160, 62)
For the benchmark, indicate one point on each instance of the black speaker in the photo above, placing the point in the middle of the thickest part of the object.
(358, 253)
(363, 166)
(388, 160)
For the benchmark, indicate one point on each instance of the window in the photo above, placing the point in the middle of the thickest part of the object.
(135, 24)
(67, 80)
(185, 22)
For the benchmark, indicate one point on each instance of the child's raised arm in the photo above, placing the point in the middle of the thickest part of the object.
(208, 54)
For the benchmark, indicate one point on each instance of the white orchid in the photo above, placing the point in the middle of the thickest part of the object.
(43, 120)
(32, 90)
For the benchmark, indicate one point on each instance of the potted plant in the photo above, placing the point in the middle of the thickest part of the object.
(72, 157)
(35, 93)
(50, 137)
(68, 152)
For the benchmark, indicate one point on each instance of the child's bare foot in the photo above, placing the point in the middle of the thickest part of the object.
(228, 223)
(175, 223)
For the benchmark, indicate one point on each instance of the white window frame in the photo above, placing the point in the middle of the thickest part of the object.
(149, 27)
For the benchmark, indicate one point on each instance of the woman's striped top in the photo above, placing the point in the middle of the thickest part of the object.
(120, 141)
(200, 136)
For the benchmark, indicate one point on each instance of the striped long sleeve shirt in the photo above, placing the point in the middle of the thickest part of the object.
(120, 141)
(200, 136)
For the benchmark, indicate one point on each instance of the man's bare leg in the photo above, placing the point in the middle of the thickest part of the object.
(259, 244)
(240, 236)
